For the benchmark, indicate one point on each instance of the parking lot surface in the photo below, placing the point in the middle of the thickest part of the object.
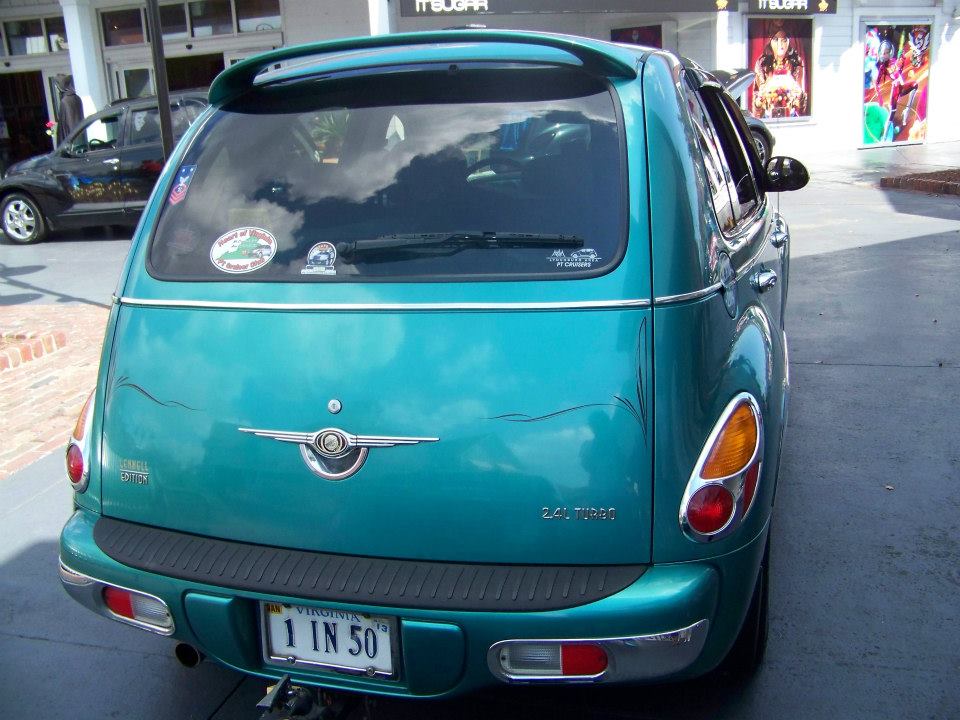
(865, 559)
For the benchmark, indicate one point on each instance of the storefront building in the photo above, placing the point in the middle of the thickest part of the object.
(830, 73)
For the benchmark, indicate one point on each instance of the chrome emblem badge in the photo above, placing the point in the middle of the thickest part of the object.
(333, 453)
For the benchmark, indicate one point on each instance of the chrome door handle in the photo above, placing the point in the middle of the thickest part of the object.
(764, 280)
(779, 237)
(112, 161)
(780, 234)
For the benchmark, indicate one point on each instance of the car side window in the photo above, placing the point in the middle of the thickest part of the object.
(734, 151)
(144, 126)
(100, 134)
(722, 189)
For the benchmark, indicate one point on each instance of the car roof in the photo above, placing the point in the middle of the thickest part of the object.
(151, 100)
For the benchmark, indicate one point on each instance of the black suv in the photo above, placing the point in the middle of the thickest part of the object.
(102, 174)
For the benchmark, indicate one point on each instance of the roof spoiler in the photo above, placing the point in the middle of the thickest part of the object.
(594, 57)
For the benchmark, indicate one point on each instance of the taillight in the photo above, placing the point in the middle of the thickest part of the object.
(78, 449)
(141, 609)
(724, 481)
(552, 658)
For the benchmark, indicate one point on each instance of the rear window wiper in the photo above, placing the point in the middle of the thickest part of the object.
(456, 241)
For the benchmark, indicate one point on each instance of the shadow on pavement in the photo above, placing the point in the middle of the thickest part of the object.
(7, 275)
(60, 660)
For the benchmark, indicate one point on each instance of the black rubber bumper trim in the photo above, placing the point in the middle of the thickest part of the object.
(353, 579)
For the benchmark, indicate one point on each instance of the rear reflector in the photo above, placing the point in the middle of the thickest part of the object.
(583, 659)
(552, 659)
(142, 609)
(119, 601)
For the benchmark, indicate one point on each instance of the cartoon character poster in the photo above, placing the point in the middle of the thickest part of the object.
(896, 67)
(780, 51)
(648, 35)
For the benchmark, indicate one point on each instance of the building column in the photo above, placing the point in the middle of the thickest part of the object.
(379, 17)
(86, 59)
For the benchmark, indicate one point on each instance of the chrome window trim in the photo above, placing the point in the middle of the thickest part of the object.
(379, 307)
(423, 307)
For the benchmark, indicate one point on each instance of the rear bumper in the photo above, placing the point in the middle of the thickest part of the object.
(674, 621)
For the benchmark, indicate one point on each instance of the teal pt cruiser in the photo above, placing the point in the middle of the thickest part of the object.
(444, 360)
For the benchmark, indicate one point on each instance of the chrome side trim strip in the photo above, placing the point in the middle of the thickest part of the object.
(422, 307)
(685, 297)
(377, 307)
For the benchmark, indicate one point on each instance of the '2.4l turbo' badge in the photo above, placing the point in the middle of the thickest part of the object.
(332, 453)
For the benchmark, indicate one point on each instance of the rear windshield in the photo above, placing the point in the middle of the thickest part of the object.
(463, 173)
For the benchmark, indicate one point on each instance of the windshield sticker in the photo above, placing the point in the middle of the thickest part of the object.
(243, 250)
(321, 260)
(582, 258)
(184, 177)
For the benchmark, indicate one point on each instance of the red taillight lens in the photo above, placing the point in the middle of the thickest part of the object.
(75, 464)
(119, 601)
(710, 509)
(582, 659)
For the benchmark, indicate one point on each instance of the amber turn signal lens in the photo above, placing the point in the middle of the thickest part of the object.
(81, 425)
(734, 445)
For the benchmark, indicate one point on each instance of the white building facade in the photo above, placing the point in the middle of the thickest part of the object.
(835, 73)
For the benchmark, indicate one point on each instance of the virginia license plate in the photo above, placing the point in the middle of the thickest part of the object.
(340, 640)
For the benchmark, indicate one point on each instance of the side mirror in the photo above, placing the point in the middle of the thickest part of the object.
(784, 174)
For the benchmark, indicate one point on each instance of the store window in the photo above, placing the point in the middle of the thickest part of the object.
(211, 17)
(646, 35)
(896, 68)
(173, 22)
(258, 15)
(123, 27)
(25, 37)
(780, 53)
(56, 34)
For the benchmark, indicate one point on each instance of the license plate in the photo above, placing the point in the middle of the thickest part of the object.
(341, 640)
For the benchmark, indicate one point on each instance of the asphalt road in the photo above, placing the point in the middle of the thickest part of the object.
(866, 563)
(67, 268)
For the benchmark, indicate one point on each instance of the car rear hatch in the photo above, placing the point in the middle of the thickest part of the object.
(541, 455)
(438, 259)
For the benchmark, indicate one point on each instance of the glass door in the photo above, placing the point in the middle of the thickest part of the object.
(131, 81)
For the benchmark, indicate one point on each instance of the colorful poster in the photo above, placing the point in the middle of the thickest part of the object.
(648, 35)
(896, 68)
(780, 52)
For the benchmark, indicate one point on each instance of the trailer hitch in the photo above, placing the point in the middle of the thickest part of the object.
(286, 701)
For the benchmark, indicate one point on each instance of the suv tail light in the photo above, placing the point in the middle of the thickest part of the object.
(141, 608)
(78, 449)
(723, 485)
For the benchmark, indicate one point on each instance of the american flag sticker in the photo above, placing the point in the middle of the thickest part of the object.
(184, 177)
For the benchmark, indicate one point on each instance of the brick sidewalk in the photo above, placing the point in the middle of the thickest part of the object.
(40, 399)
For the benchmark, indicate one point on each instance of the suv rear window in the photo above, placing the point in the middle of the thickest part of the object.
(475, 173)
